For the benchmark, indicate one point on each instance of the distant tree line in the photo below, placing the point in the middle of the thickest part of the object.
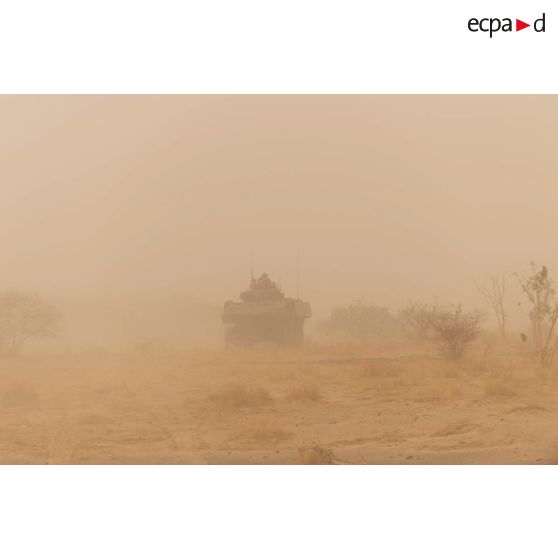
(360, 321)
(25, 316)
(451, 327)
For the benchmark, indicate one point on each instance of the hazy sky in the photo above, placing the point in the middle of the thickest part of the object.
(385, 197)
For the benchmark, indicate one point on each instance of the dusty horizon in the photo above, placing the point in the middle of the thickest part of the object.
(385, 198)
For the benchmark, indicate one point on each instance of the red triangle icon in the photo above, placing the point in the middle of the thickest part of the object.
(519, 25)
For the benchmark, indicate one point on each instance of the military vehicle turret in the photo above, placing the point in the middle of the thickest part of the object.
(265, 314)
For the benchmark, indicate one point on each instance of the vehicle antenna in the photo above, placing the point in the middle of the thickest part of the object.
(298, 274)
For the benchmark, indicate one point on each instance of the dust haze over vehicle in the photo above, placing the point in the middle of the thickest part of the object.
(265, 314)
(134, 216)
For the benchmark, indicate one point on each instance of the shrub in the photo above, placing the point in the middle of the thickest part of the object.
(455, 330)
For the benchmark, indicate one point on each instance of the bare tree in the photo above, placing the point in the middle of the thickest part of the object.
(22, 317)
(455, 330)
(539, 288)
(493, 294)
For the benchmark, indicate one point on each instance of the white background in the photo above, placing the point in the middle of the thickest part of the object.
(258, 46)
(249, 46)
(283, 511)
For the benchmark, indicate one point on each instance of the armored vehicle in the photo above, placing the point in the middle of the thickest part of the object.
(265, 314)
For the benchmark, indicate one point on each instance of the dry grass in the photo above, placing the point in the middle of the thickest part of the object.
(381, 379)
(315, 455)
(236, 396)
(306, 392)
(272, 406)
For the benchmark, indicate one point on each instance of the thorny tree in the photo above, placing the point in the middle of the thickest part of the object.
(23, 317)
(539, 289)
(493, 294)
(455, 330)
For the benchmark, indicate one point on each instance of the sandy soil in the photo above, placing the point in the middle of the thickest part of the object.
(314, 405)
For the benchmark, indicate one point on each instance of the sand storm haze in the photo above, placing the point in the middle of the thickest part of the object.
(319, 404)
(134, 218)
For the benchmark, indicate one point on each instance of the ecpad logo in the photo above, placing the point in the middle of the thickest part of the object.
(493, 25)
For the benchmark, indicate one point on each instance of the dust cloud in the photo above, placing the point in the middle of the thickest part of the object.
(128, 221)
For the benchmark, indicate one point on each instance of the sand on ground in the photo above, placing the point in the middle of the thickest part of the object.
(314, 405)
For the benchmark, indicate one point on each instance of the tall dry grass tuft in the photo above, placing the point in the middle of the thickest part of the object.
(235, 396)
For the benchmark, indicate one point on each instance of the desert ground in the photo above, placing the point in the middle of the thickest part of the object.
(320, 404)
